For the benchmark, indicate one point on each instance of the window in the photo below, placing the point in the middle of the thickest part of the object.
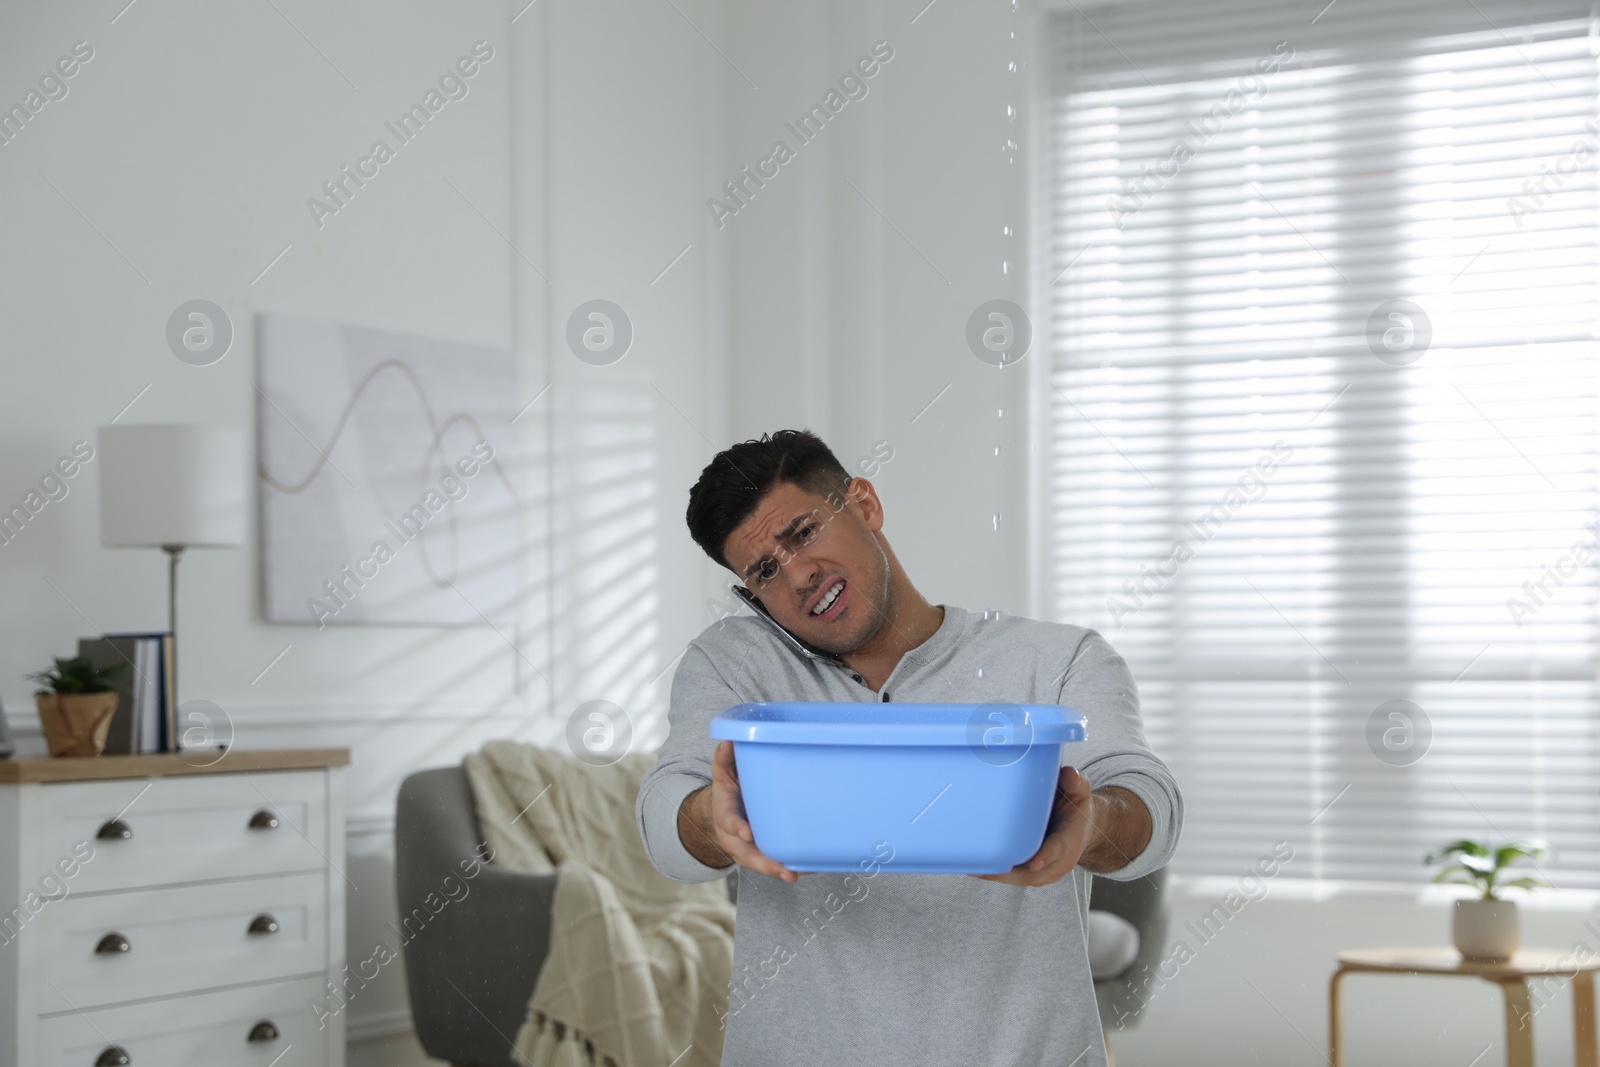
(1323, 414)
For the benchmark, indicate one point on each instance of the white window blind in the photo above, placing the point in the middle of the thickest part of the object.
(1288, 499)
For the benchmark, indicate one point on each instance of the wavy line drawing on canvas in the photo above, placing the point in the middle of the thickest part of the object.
(358, 473)
(435, 450)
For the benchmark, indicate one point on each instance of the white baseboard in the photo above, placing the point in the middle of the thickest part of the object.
(369, 825)
(380, 1024)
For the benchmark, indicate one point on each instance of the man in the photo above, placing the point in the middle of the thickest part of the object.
(916, 969)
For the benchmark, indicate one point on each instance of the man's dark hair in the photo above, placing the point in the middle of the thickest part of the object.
(733, 483)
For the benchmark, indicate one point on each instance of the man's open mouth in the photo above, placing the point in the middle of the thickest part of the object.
(831, 602)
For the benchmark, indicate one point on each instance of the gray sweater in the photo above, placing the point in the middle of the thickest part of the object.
(868, 968)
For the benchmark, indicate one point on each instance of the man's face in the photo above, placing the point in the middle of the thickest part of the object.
(798, 553)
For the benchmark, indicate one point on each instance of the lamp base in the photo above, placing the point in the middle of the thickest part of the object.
(174, 553)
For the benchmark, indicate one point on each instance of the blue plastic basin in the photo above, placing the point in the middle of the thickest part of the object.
(902, 788)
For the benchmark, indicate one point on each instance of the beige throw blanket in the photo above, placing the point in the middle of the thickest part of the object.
(639, 966)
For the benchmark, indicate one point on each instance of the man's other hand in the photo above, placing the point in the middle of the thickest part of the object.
(1066, 835)
(1101, 832)
(713, 827)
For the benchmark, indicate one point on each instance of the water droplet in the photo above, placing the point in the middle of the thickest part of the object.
(1012, 66)
(1005, 266)
(997, 520)
(997, 450)
(1005, 231)
(980, 669)
(1002, 413)
(1011, 112)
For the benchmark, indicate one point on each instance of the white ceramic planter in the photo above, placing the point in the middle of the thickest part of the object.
(1486, 929)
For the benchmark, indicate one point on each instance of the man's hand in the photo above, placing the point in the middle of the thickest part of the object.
(1103, 831)
(713, 827)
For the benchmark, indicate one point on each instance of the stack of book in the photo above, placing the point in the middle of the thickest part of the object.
(147, 714)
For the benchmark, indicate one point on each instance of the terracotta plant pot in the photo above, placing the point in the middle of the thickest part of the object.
(1486, 929)
(75, 724)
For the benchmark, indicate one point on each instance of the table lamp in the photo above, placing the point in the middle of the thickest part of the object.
(172, 488)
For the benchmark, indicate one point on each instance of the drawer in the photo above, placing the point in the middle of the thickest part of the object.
(206, 1030)
(161, 831)
(180, 940)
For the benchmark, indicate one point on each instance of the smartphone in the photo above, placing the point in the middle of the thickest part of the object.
(761, 610)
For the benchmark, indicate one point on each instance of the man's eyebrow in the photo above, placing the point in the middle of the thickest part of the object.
(782, 535)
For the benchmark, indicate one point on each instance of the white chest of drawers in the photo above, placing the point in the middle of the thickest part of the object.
(160, 914)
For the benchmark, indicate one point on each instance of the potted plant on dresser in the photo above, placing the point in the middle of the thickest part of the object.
(1486, 927)
(76, 705)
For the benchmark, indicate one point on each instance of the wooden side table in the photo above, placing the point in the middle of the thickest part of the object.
(1511, 976)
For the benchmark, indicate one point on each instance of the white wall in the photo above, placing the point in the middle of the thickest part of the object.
(1256, 992)
(849, 304)
(190, 143)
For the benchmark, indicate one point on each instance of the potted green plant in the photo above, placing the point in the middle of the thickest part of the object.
(76, 705)
(1486, 927)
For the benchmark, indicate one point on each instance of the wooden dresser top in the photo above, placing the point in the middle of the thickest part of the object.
(169, 765)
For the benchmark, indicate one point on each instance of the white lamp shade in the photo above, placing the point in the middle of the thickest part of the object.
(171, 485)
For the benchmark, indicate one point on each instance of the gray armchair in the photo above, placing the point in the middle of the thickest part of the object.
(471, 965)
(1141, 903)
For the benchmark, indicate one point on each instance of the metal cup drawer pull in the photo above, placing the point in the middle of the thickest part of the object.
(263, 924)
(111, 944)
(263, 1031)
(115, 830)
(113, 1056)
(263, 820)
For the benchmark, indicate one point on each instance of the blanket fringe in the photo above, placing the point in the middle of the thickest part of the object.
(557, 1044)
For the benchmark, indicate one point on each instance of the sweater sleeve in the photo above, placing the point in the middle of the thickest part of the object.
(1099, 684)
(683, 765)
